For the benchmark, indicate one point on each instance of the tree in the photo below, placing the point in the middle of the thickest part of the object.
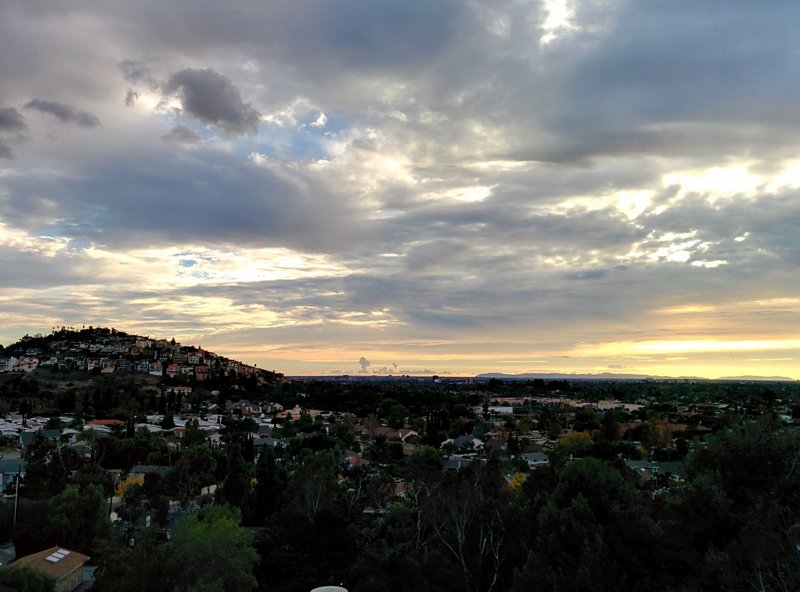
(168, 422)
(397, 416)
(193, 470)
(739, 510)
(309, 540)
(271, 481)
(594, 533)
(193, 435)
(79, 520)
(465, 518)
(48, 466)
(213, 552)
(24, 579)
(576, 443)
(146, 566)
(313, 485)
(236, 486)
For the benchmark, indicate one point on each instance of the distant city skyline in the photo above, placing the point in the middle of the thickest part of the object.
(409, 187)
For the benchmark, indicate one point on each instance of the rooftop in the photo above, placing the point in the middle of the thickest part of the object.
(55, 561)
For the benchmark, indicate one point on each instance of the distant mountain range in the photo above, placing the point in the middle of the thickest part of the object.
(613, 376)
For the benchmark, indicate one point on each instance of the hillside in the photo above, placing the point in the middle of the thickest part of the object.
(101, 371)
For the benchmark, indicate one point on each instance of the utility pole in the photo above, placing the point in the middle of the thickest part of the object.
(16, 492)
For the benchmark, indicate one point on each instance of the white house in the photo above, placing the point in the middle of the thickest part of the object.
(8, 364)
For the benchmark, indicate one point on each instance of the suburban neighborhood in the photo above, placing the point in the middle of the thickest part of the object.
(123, 452)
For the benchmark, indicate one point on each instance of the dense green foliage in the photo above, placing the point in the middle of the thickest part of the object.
(24, 579)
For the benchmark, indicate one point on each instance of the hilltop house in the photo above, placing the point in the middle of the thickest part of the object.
(8, 364)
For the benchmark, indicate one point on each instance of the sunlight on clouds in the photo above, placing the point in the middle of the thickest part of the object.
(629, 203)
(687, 309)
(673, 248)
(709, 264)
(633, 203)
(363, 154)
(501, 166)
(788, 177)
(290, 114)
(47, 246)
(787, 302)
(320, 121)
(258, 158)
(155, 102)
(689, 346)
(458, 194)
(245, 265)
(186, 265)
(716, 183)
(557, 21)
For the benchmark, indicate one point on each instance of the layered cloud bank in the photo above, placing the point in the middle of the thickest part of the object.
(448, 187)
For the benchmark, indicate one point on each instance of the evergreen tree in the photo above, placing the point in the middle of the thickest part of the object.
(237, 485)
(48, 467)
(271, 482)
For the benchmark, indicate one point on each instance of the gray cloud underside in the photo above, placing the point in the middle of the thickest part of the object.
(181, 134)
(12, 130)
(167, 200)
(33, 271)
(12, 120)
(635, 83)
(213, 99)
(63, 112)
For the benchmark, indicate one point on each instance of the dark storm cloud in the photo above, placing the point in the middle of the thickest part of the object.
(213, 99)
(63, 112)
(180, 134)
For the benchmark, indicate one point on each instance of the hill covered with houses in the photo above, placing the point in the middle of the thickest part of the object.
(104, 350)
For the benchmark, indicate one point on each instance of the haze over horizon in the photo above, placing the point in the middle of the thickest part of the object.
(409, 187)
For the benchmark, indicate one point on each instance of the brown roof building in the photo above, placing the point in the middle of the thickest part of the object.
(65, 566)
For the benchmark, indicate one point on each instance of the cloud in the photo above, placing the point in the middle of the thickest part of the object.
(213, 99)
(12, 129)
(203, 196)
(63, 112)
(364, 364)
(180, 134)
(137, 72)
(12, 121)
(131, 96)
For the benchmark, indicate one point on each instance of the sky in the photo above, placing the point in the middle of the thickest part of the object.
(409, 187)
